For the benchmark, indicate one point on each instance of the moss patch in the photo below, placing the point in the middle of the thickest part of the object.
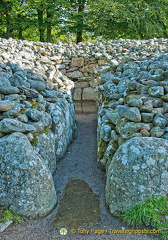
(35, 139)
(102, 146)
(78, 207)
(34, 104)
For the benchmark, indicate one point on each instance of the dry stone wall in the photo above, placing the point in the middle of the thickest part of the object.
(37, 122)
(79, 62)
(133, 132)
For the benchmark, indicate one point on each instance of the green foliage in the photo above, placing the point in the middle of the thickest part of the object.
(87, 20)
(152, 213)
(8, 215)
(139, 19)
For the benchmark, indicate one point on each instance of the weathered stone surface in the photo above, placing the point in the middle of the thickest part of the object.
(64, 127)
(128, 129)
(45, 147)
(34, 114)
(90, 94)
(147, 108)
(38, 85)
(5, 225)
(127, 69)
(134, 102)
(77, 62)
(18, 80)
(157, 91)
(160, 121)
(147, 117)
(165, 98)
(23, 118)
(26, 183)
(9, 90)
(133, 114)
(13, 112)
(13, 125)
(157, 132)
(113, 116)
(6, 105)
(77, 94)
(137, 171)
(75, 74)
(165, 107)
(105, 132)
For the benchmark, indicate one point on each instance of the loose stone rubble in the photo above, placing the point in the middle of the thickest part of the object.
(127, 79)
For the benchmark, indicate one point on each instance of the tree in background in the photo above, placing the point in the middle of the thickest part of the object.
(139, 19)
(14, 19)
(51, 20)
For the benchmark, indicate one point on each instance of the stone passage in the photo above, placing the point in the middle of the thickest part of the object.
(127, 78)
(80, 166)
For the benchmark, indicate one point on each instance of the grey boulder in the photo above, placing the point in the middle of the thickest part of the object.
(137, 172)
(26, 183)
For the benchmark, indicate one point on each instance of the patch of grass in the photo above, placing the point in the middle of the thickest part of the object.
(153, 213)
(8, 215)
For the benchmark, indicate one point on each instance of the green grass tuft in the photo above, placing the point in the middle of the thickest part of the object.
(153, 213)
(8, 215)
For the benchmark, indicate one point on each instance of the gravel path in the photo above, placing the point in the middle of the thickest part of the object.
(78, 163)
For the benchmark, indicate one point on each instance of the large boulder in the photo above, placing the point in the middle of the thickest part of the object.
(64, 127)
(137, 172)
(45, 146)
(26, 182)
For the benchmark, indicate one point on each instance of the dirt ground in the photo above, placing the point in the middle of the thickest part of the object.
(79, 163)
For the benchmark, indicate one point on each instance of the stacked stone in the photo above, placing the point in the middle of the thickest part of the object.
(133, 132)
(133, 103)
(36, 125)
(79, 62)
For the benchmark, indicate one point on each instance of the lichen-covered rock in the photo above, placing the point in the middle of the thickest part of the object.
(137, 172)
(34, 114)
(8, 125)
(45, 147)
(133, 114)
(6, 105)
(157, 91)
(9, 90)
(89, 94)
(27, 186)
(64, 127)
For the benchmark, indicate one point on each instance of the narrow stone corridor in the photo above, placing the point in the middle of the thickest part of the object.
(79, 163)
